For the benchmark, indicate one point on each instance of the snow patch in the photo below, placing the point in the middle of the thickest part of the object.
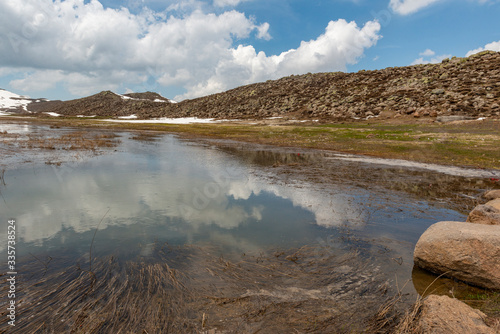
(124, 97)
(10, 100)
(128, 117)
(84, 116)
(50, 113)
(182, 120)
(450, 170)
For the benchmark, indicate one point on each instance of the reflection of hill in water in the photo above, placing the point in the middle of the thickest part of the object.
(274, 158)
(459, 193)
(173, 191)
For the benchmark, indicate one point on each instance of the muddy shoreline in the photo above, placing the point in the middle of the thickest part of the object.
(461, 143)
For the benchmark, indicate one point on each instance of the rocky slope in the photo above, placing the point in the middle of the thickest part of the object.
(459, 86)
(105, 103)
(11, 102)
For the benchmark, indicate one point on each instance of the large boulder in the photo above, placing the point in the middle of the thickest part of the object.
(445, 315)
(468, 252)
(492, 194)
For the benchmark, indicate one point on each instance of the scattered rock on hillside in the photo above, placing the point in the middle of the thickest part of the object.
(105, 103)
(445, 315)
(468, 252)
(465, 87)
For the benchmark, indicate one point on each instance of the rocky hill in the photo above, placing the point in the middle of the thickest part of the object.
(458, 86)
(105, 103)
(11, 102)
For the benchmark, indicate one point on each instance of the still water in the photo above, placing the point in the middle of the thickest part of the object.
(238, 200)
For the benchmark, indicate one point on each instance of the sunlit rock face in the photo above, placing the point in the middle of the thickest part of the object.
(465, 251)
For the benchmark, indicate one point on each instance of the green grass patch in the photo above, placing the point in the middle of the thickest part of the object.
(473, 144)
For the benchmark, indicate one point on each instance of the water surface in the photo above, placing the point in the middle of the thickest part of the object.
(236, 199)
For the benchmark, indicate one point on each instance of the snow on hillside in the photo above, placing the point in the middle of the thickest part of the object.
(163, 120)
(10, 100)
(125, 97)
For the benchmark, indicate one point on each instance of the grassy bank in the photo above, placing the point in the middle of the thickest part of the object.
(473, 143)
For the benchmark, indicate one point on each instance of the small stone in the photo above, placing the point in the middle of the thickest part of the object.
(438, 91)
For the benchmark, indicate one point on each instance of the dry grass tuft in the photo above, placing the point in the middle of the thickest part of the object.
(146, 136)
(114, 298)
(75, 140)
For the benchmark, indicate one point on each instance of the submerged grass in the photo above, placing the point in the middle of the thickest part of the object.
(488, 302)
(192, 290)
(72, 141)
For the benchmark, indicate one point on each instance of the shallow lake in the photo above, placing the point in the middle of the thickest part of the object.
(235, 199)
(169, 190)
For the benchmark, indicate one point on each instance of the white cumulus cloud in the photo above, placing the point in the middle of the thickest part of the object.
(493, 46)
(405, 7)
(342, 43)
(427, 53)
(225, 3)
(86, 47)
(428, 60)
(429, 57)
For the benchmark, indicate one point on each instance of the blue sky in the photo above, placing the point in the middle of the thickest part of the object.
(188, 48)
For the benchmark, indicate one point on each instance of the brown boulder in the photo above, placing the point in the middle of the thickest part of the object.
(484, 214)
(494, 203)
(445, 315)
(468, 252)
(492, 194)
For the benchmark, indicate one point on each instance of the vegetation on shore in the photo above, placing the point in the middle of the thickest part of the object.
(466, 143)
